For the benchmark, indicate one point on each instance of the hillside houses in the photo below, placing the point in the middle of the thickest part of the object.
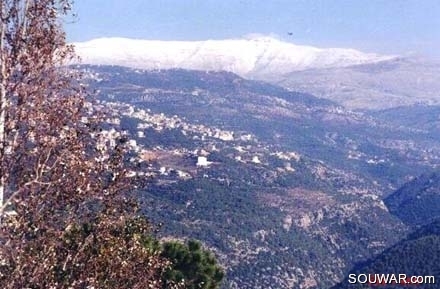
(165, 159)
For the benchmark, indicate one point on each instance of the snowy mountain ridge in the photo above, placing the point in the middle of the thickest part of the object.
(255, 57)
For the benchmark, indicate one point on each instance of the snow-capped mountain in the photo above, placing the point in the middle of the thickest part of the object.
(254, 57)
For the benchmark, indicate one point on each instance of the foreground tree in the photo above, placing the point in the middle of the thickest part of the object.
(66, 220)
(193, 264)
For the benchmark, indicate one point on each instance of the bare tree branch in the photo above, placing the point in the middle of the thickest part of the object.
(73, 225)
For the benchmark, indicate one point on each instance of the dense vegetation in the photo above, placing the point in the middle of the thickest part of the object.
(416, 255)
(190, 262)
(418, 201)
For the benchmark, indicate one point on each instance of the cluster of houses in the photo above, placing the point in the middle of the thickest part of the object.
(213, 137)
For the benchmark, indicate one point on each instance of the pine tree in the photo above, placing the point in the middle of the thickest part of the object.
(194, 265)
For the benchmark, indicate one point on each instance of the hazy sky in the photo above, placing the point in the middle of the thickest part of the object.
(384, 26)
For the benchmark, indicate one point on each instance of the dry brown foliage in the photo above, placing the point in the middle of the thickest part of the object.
(66, 220)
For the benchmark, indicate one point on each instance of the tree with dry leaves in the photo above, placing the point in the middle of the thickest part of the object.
(66, 218)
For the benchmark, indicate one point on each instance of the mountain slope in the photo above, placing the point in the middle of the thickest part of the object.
(314, 127)
(416, 117)
(384, 84)
(256, 57)
(349, 77)
(418, 201)
(416, 255)
(285, 187)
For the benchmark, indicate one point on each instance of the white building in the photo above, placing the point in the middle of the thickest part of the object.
(202, 162)
(256, 160)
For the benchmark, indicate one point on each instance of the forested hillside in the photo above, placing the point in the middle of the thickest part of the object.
(417, 255)
(418, 201)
